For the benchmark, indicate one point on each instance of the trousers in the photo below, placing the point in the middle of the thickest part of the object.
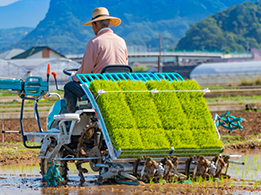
(72, 91)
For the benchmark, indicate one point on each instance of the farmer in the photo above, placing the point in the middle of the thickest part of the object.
(105, 49)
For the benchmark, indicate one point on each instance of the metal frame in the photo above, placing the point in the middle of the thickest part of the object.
(134, 76)
(112, 152)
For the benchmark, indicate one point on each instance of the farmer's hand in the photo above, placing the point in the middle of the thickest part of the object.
(71, 77)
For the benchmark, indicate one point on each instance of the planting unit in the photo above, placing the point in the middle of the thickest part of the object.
(135, 126)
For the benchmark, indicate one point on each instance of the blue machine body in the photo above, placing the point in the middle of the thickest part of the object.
(58, 108)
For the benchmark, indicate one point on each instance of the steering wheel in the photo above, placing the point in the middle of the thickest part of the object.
(69, 71)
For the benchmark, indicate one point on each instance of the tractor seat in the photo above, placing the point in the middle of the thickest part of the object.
(116, 68)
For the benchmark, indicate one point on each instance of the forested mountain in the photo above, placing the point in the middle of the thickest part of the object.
(142, 22)
(234, 29)
(9, 37)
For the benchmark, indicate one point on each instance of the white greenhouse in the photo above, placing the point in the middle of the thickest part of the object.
(11, 70)
(20, 69)
(226, 73)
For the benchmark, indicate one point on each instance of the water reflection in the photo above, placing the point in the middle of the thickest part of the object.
(25, 179)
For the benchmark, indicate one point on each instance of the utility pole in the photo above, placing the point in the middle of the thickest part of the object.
(247, 46)
(159, 63)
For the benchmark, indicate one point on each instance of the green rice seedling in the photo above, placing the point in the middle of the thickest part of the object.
(245, 183)
(210, 180)
(151, 180)
(204, 183)
(141, 104)
(216, 184)
(112, 105)
(181, 139)
(13, 167)
(126, 138)
(161, 181)
(169, 107)
(37, 167)
(237, 170)
(181, 120)
(255, 160)
(173, 118)
(206, 139)
(231, 183)
(193, 102)
(245, 159)
(121, 127)
(87, 166)
(21, 168)
(173, 180)
(73, 169)
(222, 181)
(192, 181)
(196, 110)
(31, 168)
(243, 174)
(254, 186)
(248, 169)
(199, 179)
(154, 141)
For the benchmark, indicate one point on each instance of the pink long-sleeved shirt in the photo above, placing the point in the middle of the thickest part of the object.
(105, 49)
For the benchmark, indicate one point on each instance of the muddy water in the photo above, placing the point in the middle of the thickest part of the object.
(25, 179)
(249, 171)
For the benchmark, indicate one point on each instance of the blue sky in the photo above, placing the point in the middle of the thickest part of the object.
(22, 13)
(7, 2)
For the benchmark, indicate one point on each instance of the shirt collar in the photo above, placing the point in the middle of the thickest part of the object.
(103, 30)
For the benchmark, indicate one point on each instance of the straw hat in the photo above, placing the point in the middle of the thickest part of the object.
(101, 13)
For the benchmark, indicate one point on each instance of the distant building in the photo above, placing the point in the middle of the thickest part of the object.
(39, 52)
(10, 53)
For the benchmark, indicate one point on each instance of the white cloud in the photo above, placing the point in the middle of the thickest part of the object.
(7, 2)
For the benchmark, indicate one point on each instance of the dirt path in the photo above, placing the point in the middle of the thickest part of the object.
(30, 125)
